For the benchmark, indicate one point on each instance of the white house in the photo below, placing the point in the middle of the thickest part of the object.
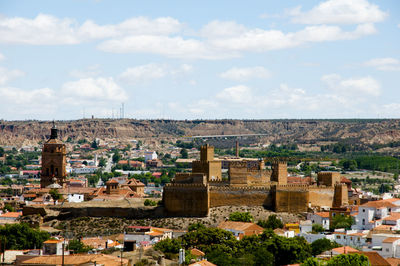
(390, 247)
(305, 226)
(352, 238)
(150, 155)
(387, 245)
(76, 197)
(372, 213)
(85, 170)
(321, 218)
(312, 237)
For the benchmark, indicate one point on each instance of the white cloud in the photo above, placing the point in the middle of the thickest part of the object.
(152, 71)
(93, 90)
(240, 39)
(242, 74)
(385, 64)
(238, 95)
(358, 87)
(177, 47)
(7, 75)
(340, 12)
(19, 96)
(50, 30)
(2, 57)
(142, 73)
(91, 71)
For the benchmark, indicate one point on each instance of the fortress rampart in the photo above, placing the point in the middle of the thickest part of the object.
(193, 194)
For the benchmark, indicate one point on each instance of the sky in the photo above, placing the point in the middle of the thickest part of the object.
(204, 59)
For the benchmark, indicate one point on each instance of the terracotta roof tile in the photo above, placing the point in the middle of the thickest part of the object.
(390, 239)
(323, 214)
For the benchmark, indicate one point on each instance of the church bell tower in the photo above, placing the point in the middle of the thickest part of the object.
(53, 161)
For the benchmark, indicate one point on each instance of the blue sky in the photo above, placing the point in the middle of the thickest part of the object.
(199, 59)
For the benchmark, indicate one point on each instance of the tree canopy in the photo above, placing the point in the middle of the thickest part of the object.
(20, 236)
(272, 222)
(349, 260)
(240, 217)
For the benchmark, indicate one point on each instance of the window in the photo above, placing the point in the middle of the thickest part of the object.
(363, 222)
(387, 250)
(363, 210)
(337, 237)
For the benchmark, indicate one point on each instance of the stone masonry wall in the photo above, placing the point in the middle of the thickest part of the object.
(186, 199)
(241, 196)
(321, 196)
(291, 198)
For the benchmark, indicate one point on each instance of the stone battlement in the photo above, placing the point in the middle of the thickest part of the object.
(293, 187)
(185, 186)
(266, 188)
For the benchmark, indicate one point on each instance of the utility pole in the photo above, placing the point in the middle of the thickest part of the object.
(4, 249)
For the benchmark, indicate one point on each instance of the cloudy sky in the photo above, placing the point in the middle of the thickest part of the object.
(200, 59)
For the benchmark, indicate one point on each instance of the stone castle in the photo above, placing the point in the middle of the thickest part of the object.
(193, 194)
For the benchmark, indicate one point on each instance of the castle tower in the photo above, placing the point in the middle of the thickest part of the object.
(206, 153)
(207, 165)
(112, 186)
(279, 172)
(53, 161)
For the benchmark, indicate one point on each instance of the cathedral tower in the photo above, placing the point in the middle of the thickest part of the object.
(53, 161)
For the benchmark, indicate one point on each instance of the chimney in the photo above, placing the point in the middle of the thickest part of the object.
(237, 149)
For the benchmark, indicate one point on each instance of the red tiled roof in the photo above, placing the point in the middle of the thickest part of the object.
(11, 215)
(322, 214)
(390, 239)
(344, 250)
(379, 204)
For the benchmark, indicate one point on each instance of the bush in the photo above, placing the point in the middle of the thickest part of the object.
(317, 228)
(240, 217)
(149, 202)
(272, 222)
(349, 260)
(168, 246)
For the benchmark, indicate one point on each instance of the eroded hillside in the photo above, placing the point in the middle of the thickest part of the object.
(306, 131)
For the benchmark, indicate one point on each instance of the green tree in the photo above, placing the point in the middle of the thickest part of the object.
(341, 221)
(102, 162)
(116, 157)
(168, 245)
(8, 207)
(184, 153)
(349, 260)
(311, 262)
(55, 195)
(321, 245)
(240, 217)
(149, 202)
(317, 228)
(20, 236)
(94, 144)
(78, 247)
(272, 222)
(196, 226)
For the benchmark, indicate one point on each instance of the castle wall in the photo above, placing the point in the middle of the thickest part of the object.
(241, 196)
(321, 196)
(186, 199)
(291, 198)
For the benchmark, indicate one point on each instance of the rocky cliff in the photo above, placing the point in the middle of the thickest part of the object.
(307, 131)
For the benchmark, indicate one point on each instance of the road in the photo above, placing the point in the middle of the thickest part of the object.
(109, 164)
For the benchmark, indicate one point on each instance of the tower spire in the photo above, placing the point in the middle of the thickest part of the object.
(54, 131)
